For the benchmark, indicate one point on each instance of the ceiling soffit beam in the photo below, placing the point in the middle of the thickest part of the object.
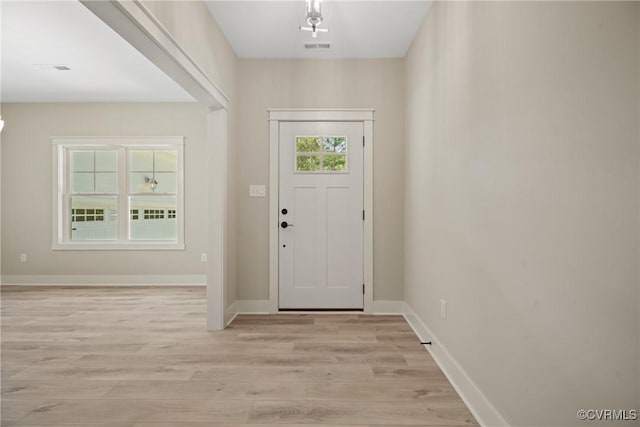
(142, 30)
(133, 21)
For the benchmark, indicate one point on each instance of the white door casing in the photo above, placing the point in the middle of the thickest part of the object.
(321, 216)
(364, 117)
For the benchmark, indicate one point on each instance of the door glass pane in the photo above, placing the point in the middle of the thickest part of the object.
(307, 144)
(93, 218)
(307, 163)
(156, 218)
(321, 154)
(334, 144)
(334, 163)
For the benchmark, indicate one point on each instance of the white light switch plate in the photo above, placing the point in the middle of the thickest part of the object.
(257, 191)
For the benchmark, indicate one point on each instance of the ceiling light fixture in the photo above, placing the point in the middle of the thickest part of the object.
(314, 18)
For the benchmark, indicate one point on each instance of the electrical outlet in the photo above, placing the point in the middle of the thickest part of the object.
(203, 257)
(23, 257)
(443, 309)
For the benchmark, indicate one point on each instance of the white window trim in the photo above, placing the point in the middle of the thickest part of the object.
(59, 230)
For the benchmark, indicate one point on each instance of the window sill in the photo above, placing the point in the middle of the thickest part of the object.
(118, 246)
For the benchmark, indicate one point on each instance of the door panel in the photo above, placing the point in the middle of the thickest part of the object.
(321, 187)
(343, 251)
(305, 217)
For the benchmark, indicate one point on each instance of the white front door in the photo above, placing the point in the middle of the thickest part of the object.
(321, 215)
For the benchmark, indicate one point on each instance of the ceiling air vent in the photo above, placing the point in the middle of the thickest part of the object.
(317, 46)
(52, 67)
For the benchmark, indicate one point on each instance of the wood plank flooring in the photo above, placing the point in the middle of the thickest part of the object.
(141, 357)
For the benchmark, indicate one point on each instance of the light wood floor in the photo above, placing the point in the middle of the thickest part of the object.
(141, 357)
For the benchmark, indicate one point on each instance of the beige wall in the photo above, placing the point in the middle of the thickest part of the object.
(265, 84)
(521, 193)
(194, 28)
(26, 185)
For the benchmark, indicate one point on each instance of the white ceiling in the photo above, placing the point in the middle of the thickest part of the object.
(357, 29)
(104, 67)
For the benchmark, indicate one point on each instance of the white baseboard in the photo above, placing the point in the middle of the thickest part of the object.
(229, 316)
(264, 307)
(484, 412)
(388, 307)
(250, 306)
(106, 280)
(416, 324)
(245, 306)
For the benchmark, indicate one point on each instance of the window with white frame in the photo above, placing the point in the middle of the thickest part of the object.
(118, 193)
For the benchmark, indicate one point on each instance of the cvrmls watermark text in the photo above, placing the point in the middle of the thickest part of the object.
(607, 414)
